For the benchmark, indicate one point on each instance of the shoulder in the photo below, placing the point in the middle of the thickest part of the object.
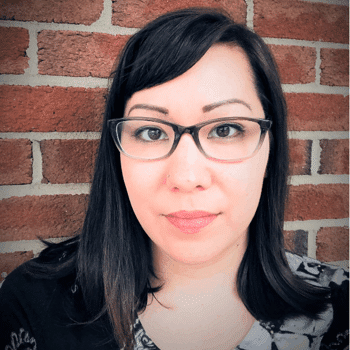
(334, 323)
(317, 272)
(22, 288)
(28, 305)
(34, 283)
(47, 313)
(33, 288)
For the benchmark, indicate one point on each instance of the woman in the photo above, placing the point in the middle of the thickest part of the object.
(182, 245)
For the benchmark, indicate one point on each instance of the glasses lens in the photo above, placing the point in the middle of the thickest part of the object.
(145, 139)
(230, 139)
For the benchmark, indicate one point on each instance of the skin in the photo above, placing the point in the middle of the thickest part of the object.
(191, 264)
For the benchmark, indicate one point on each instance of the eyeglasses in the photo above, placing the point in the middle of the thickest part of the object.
(225, 139)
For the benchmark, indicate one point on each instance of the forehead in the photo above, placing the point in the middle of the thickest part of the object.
(223, 73)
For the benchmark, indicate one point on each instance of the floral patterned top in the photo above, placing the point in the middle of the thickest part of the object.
(33, 317)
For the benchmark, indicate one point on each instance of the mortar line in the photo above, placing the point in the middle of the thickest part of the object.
(32, 52)
(39, 136)
(308, 225)
(315, 89)
(37, 163)
(105, 20)
(40, 189)
(318, 135)
(315, 157)
(96, 27)
(250, 14)
(34, 245)
(318, 65)
(308, 43)
(312, 244)
(331, 2)
(52, 80)
(316, 179)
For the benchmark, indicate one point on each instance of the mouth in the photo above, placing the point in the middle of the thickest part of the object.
(191, 221)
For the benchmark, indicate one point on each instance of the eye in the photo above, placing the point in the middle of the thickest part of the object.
(225, 131)
(150, 134)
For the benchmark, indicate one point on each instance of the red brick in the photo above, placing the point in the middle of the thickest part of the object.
(334, 67)
(68, 161)
(45, 109)
(332, 244)
(135, 14)
(15, 162)
(78, 54)
(334, 157)
(9, 261)
(14, 43)
(317, 112)
(63, 11)
(305, 20)
(296, 63)
(30, 217)
(317, 202)
(296, 241)
(300, 157)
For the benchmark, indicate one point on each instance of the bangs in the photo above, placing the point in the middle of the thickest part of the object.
(170, 47)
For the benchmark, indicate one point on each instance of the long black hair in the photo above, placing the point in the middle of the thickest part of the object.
(112, 255)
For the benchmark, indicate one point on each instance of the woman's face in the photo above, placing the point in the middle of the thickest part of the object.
(195, 209)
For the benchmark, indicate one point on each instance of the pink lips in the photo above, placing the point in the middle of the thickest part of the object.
(191, 221)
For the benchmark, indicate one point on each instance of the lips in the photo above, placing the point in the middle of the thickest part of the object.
(191, 221)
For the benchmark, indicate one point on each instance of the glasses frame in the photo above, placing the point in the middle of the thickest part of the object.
(193, 130)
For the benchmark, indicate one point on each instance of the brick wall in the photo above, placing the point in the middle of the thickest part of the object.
(55, 57)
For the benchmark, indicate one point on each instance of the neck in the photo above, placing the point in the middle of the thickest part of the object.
(179, 278)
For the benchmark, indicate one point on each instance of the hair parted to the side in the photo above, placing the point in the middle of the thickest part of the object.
(113, 259)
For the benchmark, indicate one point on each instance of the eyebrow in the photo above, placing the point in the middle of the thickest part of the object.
(150, 108)
(214, 105)
(205, 109)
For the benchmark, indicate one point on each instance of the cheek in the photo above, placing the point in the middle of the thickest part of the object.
(244, 183)
(244, 186)
(141, 181)
(249, 173)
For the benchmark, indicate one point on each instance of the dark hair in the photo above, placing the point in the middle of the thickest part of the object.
(113, 260)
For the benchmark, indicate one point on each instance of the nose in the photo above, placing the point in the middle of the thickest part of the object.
(188, 168)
